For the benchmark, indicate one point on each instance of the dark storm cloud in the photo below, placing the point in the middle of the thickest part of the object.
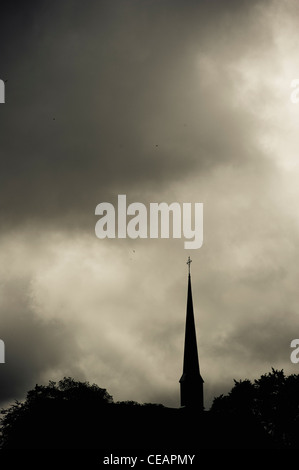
(110, 97)
(265, 340)
(33, 347)
(151, 99)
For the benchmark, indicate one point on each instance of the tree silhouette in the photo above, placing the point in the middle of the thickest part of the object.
(76, 415)
(71, 414)
(53, 414)
(273, 400)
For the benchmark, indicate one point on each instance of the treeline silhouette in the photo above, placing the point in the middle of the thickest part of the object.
(77, 415)
(272, 400)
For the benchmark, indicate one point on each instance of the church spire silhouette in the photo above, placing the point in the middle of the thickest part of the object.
(191, 382)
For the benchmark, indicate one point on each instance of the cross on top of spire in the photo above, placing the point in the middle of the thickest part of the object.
(189, 262)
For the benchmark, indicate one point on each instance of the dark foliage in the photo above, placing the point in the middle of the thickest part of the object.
(77, 415)
(272, 400)
(51, 415)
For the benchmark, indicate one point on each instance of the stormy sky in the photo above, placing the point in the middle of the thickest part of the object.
(164, 101)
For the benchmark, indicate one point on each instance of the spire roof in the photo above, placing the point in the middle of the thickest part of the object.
(191, 364)
(191, 380)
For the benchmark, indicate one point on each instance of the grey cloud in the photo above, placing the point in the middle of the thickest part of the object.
(139, 98)
(266, 340)
(107, 99)
(33, 347)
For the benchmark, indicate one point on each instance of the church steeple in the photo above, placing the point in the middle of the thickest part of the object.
(191, 382)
